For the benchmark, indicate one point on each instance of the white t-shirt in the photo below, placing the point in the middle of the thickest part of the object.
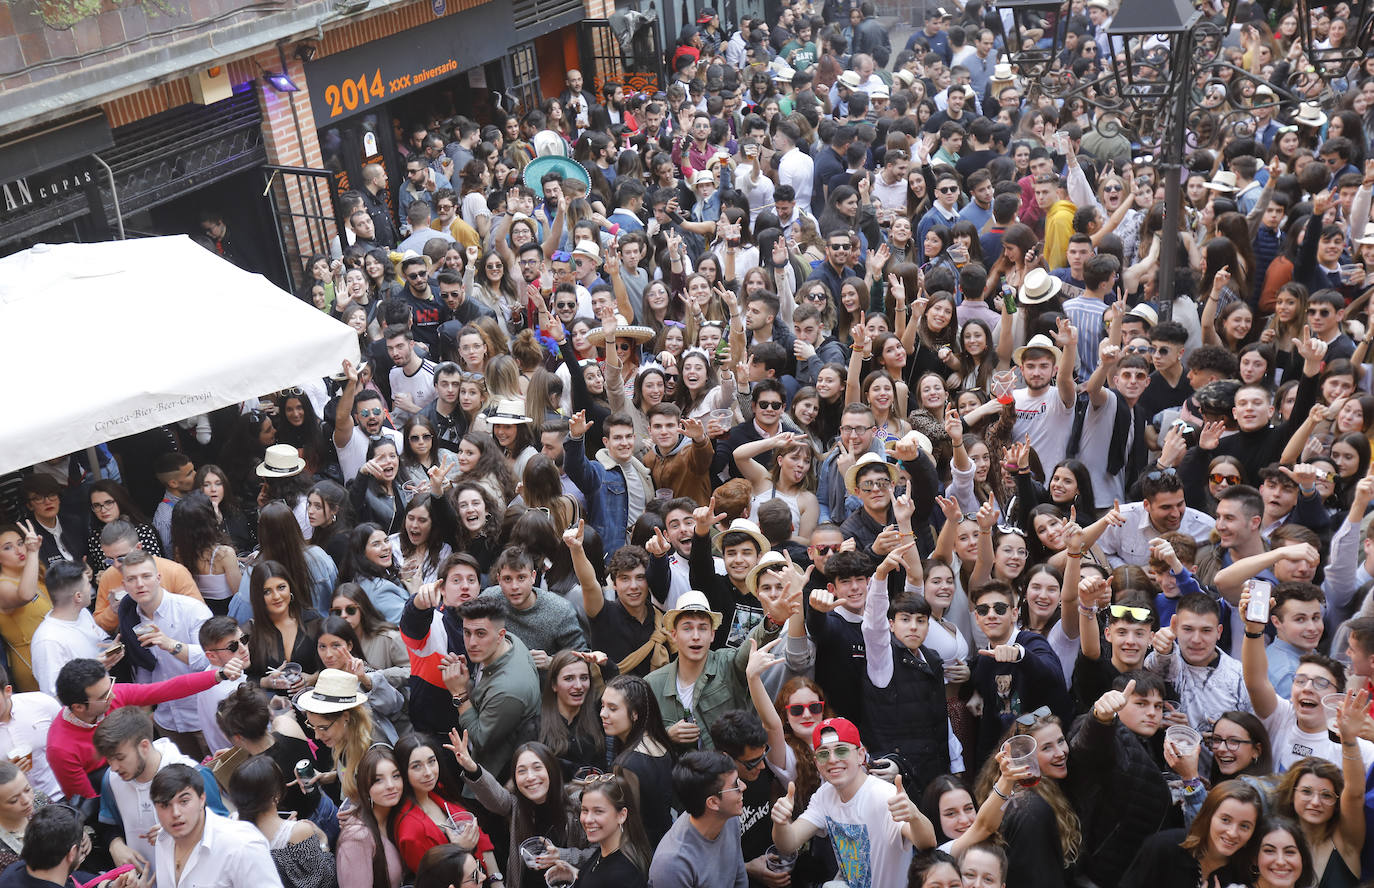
(1093, 446)
(868, 843)
(474, 207)
(760, 195)
(418, 385)
(893, 196)
(1048, 422)
(1292, 745)
(353, 454)
(56, 642)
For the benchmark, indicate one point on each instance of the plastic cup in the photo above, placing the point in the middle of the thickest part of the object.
(20, 752)
(1331, 705)
(555, 880)
(1348, 273)
(530, 849)
(458, 821)
(777, 862)
(1184, 738)
(143, 629)
(723, 416)
(664, 493)
(1021, 749)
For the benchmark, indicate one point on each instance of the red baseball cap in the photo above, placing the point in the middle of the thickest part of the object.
(835, 730)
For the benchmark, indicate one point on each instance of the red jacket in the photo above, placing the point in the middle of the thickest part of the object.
(71, 750)
(415, 833)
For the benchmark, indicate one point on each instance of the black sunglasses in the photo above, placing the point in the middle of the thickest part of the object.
(1000, 608)
(350, 609)
(1030, 718)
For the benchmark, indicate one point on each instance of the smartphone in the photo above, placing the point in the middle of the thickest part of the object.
(1257, 611)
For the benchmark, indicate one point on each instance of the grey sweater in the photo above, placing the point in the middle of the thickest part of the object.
(551, 625)
(687, 859)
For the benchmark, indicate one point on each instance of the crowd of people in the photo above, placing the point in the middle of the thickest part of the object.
(799, 476)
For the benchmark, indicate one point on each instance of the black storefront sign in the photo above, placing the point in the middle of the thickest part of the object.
(351, 82)
(48, 177)
(29, 191)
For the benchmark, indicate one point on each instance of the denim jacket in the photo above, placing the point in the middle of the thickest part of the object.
(602, 482)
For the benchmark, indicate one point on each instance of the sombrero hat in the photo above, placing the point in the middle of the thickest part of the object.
(536, 169)
(623, 330)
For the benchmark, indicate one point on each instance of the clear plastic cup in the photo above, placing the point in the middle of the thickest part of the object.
(20, 752)
(777, 862)
(1021, 749)
(1331, 706)
(1184, 738)
(1348, 273)
(530, 849)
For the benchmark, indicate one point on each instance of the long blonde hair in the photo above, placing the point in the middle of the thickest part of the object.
(355, 745)
(1065, 818)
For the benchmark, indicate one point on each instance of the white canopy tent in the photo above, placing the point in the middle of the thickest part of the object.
(104, 340)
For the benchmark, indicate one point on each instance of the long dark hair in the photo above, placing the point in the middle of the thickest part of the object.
(370, 620)
(491, 463)
(449, 786)
(280, 541)
(634, 842)
(646, 720)
(340, 628)
(261, 639)
(365, 776)
(307, 437)
(1259, 734)
(554, 733)
(120, 494)
(356, 564)
(195, 530)
(491, 529)
(334, 496)
(441, 529)
(554, 817)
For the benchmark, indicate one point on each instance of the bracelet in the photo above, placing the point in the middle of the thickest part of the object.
(1000, 794)
(1249, 634)
(1307, 491)
(1068, 554)
(1354, 758)
(958, 442)
(905, 533)
(1090, 611)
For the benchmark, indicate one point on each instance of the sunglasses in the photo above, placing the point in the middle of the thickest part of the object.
(838, 246)
(589, 775)
(825, 550)
(350, 609)
(369, 411)
(1000, 608)
(1159, 474)
(425, 436)
(1030, 718)
(769, 405)
(1319, 312)
(817, 296)
(416, 276)
(1112, 188)
(1122, 612)
(949, 189)
(838, 753)
(756, 761)
(797, 710)
(233, 646)
(1011, 528)
(1218, 478)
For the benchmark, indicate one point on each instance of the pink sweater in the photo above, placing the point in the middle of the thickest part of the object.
(71, 750)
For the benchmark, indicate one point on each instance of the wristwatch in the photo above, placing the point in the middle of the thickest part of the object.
(177, 649)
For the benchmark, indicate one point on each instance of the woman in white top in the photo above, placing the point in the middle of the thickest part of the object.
(698, 392)
(792, 478)
(198, 543)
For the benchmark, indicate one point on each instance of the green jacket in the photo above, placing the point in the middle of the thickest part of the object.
(505, 709)
(721, 687)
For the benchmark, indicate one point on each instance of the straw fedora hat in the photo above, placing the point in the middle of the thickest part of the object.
(850, 80)
(1039, 286)
(334, 691)
(851, 483)
(623, 330)
(509, 412)
(691, 602)
(1041, 341)
(749, 528)
(280, 461)
(769, 559)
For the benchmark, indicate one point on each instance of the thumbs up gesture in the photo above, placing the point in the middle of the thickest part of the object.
(782, 808)
(900, 806)
(1112, 702)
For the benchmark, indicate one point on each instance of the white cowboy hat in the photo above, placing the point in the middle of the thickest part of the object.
(623, 330)
(509, 412)
(334, 691)
(1224, 181)
(1040, 341)
(703, 177)
(691, 602)
(749, 528)
(280, 461)
(1002, 73)
(1039, 286)
(1310, 114)
(868, 459)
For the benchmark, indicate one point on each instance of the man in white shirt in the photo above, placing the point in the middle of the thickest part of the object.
(212, 850)
(1045, 412)
(68, 632)
(1297, 726)
(24, 721)
(352, 433)
(890, 186)
(125, 738)
(872, 824)
(161, 635)
(411, 377)
(1161, 511)
(222, 641)
(794, 168)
